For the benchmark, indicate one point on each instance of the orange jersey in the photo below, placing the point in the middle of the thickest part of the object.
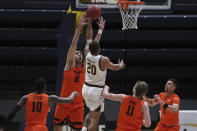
(167, 117)
(36, 109)
(73, 80)
(130, 115)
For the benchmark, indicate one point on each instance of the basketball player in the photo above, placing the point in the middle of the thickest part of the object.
(96, 69)
(37, 106)
(73, 79)
(134, 112)
(169, 106)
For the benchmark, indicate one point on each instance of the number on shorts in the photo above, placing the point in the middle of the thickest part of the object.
(130, 110)
(91, 69)
(37, 107)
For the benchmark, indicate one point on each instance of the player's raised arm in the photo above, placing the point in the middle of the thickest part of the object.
(101, 25)
(89, 35)
(112, 96)
(14, 111)
(146, 115)
(105, 62)
(73, 46)
(55, 99)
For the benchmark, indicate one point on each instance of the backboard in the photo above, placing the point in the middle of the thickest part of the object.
(111, 4)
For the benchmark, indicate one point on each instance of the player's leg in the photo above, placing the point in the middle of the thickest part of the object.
(60, 117)
(86, 99)
(96, 106)
(94, 119)
(76, 117)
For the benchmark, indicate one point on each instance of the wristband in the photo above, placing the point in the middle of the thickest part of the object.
(100, 31)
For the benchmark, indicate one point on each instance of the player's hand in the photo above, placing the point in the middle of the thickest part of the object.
(75, 93)
(121, 63)
(101, 23)
(106, 87)
(82, 21)
(158, 99)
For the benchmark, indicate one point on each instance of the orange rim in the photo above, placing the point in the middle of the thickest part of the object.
(130, 2)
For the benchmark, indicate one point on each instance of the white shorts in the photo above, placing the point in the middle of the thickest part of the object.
(93, 97)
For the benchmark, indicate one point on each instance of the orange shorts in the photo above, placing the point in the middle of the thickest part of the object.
(67, 114)
(161, 127)
(36, 128)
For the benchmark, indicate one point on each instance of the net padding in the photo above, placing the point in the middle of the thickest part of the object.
(129, 11)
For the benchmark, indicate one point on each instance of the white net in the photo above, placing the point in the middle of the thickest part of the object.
(130, 16)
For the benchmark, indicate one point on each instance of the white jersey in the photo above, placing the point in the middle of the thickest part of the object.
(94, 74)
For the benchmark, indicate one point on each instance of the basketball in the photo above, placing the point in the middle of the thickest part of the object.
(93, 12)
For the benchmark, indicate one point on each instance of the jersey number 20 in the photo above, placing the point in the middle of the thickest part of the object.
(37, 107)
(91, 69)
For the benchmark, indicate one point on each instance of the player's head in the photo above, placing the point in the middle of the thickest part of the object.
(39, 85)
(171, 85)
(140, 89)
(78, 56)
(94, 48)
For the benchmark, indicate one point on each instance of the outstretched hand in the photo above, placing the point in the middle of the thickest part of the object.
(82, 21)
(101, 23)
(121, 63)
(158, 99)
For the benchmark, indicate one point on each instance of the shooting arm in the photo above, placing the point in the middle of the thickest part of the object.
(89, 35)
(101, 25)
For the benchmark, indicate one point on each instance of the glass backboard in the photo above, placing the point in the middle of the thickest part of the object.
(112, 4)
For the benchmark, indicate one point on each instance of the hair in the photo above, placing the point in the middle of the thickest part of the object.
(141, 88)
(39, 85)
(174, 81)
(94, 47)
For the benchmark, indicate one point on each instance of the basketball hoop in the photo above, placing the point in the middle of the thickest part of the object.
(129, 11)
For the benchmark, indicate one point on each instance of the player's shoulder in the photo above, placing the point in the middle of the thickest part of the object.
(162, 94)
(175, 95)
(105, 59)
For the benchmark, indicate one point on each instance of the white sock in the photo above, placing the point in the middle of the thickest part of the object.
(84, 129)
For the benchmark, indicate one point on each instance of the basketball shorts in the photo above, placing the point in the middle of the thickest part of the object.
(69, 114)
(93, 98)
(161, 127)
(36, 128)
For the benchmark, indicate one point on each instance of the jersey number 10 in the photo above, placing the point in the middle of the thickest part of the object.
(37, 107)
